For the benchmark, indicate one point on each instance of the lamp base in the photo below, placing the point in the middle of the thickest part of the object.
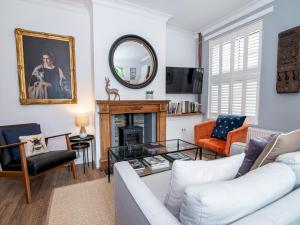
(82, 133)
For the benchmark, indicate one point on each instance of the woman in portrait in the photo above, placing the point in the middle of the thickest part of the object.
(48, 81)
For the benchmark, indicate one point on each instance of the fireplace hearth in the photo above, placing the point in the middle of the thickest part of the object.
(130, 134)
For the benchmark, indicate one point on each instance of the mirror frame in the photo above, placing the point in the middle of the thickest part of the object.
(149, 48)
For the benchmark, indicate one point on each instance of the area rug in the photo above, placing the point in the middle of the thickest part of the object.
(88, 203)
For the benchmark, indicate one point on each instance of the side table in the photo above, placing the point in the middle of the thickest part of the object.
(89, 138)
(84, 146)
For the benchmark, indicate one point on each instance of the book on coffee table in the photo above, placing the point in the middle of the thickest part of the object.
(136, 164)
(178, 156)
(152, 148)
(157, 162)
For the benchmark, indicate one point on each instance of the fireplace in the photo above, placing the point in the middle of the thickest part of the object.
(109, 109)
(130, 134)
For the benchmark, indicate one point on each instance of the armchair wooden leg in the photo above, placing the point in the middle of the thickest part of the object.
(73, 168)
(26, 182)
(216, 155)
(25, 175)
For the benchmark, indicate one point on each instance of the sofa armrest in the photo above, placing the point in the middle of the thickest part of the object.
(135, 204)
(204, 129)
(237, 135)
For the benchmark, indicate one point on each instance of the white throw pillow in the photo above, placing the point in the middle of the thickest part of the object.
(227, 201)
(35, 144)
(187, 173)
(293, 161)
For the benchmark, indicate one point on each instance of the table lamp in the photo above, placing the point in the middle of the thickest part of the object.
(82, 121)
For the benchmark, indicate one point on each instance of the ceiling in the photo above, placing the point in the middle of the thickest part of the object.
(193, 15)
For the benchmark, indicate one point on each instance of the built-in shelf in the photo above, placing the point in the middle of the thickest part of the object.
(185, 114)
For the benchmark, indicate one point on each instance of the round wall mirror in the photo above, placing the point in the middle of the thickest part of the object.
(133, 61)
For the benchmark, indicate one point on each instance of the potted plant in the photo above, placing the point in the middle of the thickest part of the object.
(149, 94)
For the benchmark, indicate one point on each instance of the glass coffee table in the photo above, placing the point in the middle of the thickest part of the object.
(140, 151)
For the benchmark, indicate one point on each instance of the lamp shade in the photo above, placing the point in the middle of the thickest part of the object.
(82, 120)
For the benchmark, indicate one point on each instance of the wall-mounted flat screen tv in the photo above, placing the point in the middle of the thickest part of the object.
(184, 80)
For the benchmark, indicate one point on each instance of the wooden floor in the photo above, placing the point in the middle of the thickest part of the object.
(13, 207)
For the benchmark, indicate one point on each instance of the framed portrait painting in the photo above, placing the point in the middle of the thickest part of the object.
(46, 68)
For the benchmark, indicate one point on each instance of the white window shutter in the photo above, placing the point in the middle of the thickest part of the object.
(235, 73)
(225, 92)
(251, 96)
(253, 50)
(214, 99)
(226, 57)
(215, 65)
(239, 46)
(237, 97)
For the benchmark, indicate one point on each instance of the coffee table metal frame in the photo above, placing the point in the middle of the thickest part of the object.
(111, 154)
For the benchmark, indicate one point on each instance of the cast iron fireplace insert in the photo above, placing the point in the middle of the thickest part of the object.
(130, 134)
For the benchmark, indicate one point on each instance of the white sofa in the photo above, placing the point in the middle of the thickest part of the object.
(139, 201)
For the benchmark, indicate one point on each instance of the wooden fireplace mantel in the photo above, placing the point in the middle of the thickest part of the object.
(109, 108)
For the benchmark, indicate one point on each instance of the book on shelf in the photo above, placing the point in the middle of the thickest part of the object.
(136, 164)
(184, 107)
(177, 156)
(157, 162)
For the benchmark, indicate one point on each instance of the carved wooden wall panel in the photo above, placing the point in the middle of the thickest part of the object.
(288, 61)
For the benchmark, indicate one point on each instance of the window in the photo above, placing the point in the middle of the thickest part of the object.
(234, 72)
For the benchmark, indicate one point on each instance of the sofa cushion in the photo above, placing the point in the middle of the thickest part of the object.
(284, 143)
(254, 149)
(11, 136)
(187, 173)
(41, 163)
(35, 144)
(227, 201)
(212, 144)
(225, 124)
(284, 211)
(293, 161)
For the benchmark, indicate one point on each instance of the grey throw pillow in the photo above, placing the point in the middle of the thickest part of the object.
(255, 148)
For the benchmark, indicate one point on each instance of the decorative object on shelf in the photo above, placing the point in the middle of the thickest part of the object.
(82, 121)
(46, 67)
(149, 95)
(288, 61)
(133, 61)
(111, 91)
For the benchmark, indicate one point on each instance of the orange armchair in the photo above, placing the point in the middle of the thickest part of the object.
(205, 141)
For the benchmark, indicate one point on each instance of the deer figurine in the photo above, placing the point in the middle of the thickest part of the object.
(111, 91)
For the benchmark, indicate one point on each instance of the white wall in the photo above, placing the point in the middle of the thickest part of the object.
(181, 48)
(181, 52)
(50, 18)
(111, 21)
(94, 34)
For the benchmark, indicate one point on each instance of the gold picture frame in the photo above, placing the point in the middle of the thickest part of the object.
(46, 68)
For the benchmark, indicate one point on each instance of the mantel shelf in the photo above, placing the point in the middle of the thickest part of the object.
(129, 102)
